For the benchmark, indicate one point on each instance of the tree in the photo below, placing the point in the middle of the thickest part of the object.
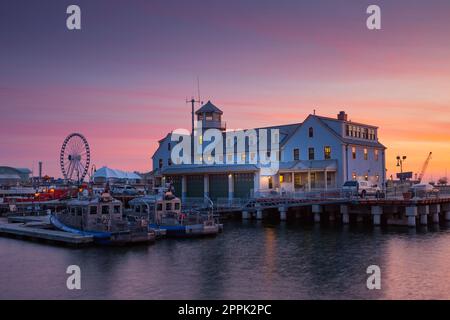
(443, 181)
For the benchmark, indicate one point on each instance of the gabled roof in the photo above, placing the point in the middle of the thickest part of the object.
(348, 122)
(208, 107)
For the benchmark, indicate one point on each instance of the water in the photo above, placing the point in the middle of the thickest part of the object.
(250, 260)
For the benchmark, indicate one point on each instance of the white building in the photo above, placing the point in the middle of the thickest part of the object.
(320, 153)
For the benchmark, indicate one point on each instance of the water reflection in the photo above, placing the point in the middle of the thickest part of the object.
(249, 260)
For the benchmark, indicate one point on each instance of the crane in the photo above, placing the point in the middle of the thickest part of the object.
(424, 167)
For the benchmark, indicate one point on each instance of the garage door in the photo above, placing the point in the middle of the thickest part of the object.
(218, 186)
(243, 184)
(194, 186)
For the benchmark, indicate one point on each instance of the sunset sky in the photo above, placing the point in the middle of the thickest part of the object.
(123, 79)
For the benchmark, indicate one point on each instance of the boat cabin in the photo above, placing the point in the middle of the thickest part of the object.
(102, 213)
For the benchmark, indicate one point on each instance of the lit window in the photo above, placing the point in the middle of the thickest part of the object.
(243, 157)
(354, 153)
(252, 156)
(200, 139)
(376, 154)
(366, 154)
(366, 177)
(354, 175)
(327, 152)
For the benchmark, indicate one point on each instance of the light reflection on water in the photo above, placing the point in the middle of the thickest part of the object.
(250, 260)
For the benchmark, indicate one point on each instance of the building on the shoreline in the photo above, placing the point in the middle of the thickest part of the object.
(10, 176)
(320, 153)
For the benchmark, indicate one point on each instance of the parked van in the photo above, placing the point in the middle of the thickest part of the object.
(361, 189)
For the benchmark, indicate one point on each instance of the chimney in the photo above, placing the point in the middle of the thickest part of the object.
(40, 170)
(342, 116)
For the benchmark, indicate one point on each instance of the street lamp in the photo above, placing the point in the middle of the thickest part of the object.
(400, 164)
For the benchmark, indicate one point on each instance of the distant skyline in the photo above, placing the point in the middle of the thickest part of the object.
(123, 79)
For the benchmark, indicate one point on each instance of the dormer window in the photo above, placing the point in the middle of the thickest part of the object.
(311, 132)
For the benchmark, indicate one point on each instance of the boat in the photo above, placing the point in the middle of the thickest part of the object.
(102, 218)
(166, 217)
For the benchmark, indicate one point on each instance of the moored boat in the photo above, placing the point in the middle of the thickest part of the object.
(101, 217)
(166, 217)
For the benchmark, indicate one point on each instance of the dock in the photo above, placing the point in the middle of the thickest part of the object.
(40, 230)
(412, 212)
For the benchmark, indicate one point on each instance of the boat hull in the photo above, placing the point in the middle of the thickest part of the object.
(107, 238)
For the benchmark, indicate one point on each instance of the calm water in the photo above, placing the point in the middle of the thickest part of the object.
(248, 261)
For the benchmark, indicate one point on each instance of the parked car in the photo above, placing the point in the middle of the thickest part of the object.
(423, 190)
(362, 189)
(125, 190)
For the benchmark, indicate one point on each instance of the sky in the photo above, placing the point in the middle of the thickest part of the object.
(123, 79)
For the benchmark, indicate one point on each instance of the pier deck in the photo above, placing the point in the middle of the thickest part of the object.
(34, 232)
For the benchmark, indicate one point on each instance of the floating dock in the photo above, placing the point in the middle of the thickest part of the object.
(39, 231)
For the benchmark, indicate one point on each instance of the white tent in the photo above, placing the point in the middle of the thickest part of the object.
(105, 174)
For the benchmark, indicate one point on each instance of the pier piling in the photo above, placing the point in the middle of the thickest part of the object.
(317, 210)
(424, 211)
(376, 211)
(345, 215)
(282, 211)
(411, 213)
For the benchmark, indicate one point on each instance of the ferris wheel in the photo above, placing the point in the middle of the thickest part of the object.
(75, 157)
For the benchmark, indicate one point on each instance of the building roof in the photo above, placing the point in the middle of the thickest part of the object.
(329, 165)
(107, 173)
(12, 170)
(208, 107)
(348, 121)
(196, 169)
(345, 140)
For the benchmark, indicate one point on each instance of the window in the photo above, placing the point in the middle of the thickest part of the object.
(169, 147)
(208, 116)
(296, 154)
(252, 156)
(270, 183)
(366, 155)
(92, 210)
(268, 154)
(200, 139)
(177, 206)
(160, 163)
(105, 209)
(347, 130)
(354, 175)
(116, 209)
(169, 162)
(311, 132)
(366, 177)
(159, 207)
(354, 153)
(376, 154)
(311, 153)
(168, 206)
(243, 157)
(327, 152)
